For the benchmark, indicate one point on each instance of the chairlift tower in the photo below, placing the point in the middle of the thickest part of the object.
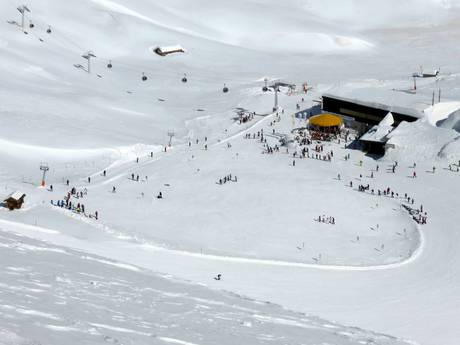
(88, 57)
(276, 88)
(23, 9)
(44, 167)
(170, 135)
(275, 107)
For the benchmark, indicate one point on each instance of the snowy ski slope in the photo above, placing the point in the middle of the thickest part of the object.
(70, 278)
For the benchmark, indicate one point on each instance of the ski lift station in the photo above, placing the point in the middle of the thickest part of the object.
(368, 112)
(375, 112)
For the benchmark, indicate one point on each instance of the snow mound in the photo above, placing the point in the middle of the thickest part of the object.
(419, 141)
(452, 122)
(436, 114)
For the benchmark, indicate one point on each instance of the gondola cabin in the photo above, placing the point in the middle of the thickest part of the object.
(14, 201)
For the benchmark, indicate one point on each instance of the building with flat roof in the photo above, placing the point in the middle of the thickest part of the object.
(368, 112)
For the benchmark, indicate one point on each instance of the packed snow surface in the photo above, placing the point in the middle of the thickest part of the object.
(238, 223)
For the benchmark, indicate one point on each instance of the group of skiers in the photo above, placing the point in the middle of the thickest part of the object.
(246, 117)
(79, 208)
(228, 178)
(327, 220)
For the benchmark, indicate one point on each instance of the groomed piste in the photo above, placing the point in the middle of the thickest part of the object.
(154, 213)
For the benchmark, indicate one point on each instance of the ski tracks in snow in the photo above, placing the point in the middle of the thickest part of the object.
(50, 235)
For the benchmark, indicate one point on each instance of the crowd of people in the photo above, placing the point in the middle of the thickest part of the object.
(326, 219)
(69, 202)
(227, 178)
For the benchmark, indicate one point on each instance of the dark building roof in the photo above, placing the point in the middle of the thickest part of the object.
(367, 112)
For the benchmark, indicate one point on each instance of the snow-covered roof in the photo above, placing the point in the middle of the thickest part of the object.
(388, 120)
(378, 133)
(166, 49)
(15, 195)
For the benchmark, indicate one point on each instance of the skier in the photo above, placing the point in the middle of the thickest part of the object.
(160, 196)
(89, 179)
(114, 189)
(218, 277)
(104, 173)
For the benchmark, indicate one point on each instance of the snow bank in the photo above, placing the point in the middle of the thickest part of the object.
(452, 122)
(440, 111)
(420, 141)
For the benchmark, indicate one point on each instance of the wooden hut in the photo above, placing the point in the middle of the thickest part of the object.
(15, 200)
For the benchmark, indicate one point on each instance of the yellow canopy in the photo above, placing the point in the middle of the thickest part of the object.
(326, 120)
